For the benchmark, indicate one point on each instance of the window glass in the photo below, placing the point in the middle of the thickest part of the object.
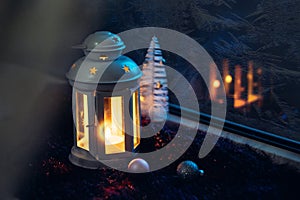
(136, 119)
(82, 121)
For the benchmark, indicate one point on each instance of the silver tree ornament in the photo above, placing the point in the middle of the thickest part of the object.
(153, 84)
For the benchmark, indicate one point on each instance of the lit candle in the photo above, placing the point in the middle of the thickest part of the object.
(111, 135)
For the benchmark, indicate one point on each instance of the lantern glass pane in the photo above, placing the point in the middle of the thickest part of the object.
(114, 130)
(82, 121)
(136, 119)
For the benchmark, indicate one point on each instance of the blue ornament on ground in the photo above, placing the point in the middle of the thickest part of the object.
(189, 170)
(138, 165)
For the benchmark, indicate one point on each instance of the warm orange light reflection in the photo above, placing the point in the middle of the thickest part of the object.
(254, 87)
(216, 84)
(259, 71)
(251, 97)
(226, 75)
(158, 85)
(228, 79)
(238, 89)
(114, 125)
(82, 121)
(213, 76)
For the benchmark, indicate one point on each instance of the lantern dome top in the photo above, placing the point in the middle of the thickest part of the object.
(103, 41)
(102, 45)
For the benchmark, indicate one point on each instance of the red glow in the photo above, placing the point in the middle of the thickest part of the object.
(116, 187)
(53, 166)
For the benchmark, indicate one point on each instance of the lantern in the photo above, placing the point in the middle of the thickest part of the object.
(106, 114)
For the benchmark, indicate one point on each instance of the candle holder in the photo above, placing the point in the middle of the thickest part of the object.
(106, 114)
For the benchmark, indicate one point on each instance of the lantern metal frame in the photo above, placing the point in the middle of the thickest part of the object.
(114, 82)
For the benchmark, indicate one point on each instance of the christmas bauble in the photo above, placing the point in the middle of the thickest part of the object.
(138, 165)
(188, 170)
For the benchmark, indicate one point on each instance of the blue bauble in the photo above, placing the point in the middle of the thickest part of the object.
(188, 170)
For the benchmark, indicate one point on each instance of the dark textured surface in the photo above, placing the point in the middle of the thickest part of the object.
(232, 171)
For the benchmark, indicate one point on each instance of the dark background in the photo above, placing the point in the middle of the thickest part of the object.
(36, 38)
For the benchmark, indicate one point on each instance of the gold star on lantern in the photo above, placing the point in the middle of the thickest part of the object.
(93, 71)
(103, 57)
(126, 68)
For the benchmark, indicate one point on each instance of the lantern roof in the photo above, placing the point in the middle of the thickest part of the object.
(89, 71)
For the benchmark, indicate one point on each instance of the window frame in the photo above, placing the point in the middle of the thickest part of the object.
(238, 129)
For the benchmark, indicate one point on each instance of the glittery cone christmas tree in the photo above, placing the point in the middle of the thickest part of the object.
(153, 84)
